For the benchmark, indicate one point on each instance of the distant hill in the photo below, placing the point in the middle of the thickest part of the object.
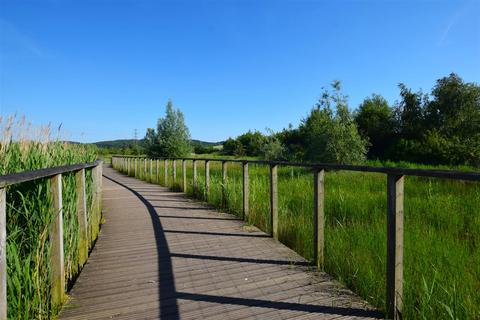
(122, 143)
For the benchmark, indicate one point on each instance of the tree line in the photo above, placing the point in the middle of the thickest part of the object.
(439, 127)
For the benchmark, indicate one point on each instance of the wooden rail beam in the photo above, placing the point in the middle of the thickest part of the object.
(3, 254)
(82, 216)
(245, 190)
(395, 189)
(224, 183)
(319, 218)
(56, 242)
(274, 201)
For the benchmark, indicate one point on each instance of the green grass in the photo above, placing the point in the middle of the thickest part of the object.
(29, 215)
(442, 224)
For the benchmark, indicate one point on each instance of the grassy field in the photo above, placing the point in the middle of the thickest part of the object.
(442, 223)
(29, 214)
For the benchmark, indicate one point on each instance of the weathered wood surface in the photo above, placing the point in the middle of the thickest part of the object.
(161, 255)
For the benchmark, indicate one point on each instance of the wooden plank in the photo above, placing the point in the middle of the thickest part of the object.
(82, 216)
(318, 218)
(224, 184)
(207, 179)
(157, 172)
(274, 201)
(3, 254)
(184, 174)
(245, 190)
(56, 242)
(194, 177)
(395, 189)
(174, 168)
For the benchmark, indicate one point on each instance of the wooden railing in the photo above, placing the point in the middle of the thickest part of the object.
(395, 187)
(56, 228)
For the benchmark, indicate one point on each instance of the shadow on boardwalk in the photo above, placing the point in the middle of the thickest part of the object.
(161, 255)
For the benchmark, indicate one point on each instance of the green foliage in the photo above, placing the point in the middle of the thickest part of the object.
(330, 133)
(172, 138)
(201, 149)
(375, 121)
(273, 148)
(442, 130)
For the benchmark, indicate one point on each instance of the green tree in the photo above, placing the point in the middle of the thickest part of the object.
(453, 119)
(330, 133)
(375, 121)
(172, 138)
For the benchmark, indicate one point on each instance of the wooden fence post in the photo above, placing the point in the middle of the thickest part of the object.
(82, 216)
(207, 179)
(151, 170)
(184, 174)
(174, 168)
(224, 184)
(157, 173)
(395, 189)
(99, 190)
(165, 172)
(144, 168)
(3, 254)
(245, 190)
(194, 177)
(274, 200)
(56, 241)
(135, 165)
(318, 218)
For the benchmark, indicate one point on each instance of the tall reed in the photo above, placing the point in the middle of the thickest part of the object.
(29, 214)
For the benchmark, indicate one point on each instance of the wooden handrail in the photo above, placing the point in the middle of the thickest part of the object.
(20, 177)
(432, 173)
(395, 198)
(56, 228)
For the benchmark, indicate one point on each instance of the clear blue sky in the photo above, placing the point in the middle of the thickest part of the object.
(104, 68)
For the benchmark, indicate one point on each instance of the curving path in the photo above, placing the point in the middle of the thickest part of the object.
(161, 255)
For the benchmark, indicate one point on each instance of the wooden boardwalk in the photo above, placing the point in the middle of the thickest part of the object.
(161, 255)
